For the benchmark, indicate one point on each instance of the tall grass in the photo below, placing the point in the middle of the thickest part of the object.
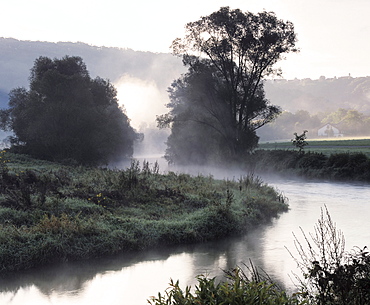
(237, 289)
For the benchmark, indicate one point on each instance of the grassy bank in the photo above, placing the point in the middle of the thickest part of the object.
(322, 159)
(338, 167)
(50, 212)
(326, 147)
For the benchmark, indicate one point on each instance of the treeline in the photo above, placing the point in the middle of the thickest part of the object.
(67, 116)
(320, 95)
(350, 123)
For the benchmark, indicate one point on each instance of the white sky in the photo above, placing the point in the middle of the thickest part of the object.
(333, 34)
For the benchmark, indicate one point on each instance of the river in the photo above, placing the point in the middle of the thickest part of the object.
(133, 278)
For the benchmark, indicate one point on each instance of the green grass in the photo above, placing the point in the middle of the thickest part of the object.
(326, 147)
(52, 212)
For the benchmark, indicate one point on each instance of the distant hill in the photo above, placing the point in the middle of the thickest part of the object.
(321, 95)
(17, 58)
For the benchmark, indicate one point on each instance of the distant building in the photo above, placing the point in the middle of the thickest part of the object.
(329, 130)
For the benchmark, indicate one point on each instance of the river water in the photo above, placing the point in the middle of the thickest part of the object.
(133, 278)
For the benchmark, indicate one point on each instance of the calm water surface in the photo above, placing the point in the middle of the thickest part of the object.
(133, 278)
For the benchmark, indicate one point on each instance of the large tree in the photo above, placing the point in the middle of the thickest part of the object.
(66, 115)
(228, 53)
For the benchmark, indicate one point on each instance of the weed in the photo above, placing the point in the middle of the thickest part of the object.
(331, 275)
(236, 289)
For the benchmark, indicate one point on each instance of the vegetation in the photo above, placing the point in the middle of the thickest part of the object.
(299, 141)
(331, 276)
(326, 147)
(52, 212)
(217, 106)
(340, 166)
(330, 159)
(238, 289)
(67, 116)
(323, 95)
(349, 122)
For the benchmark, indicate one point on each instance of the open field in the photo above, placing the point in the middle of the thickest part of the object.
(327, 146)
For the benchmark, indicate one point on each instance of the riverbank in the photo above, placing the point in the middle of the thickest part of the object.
(345, 166)
(326, 146)
(51, 212)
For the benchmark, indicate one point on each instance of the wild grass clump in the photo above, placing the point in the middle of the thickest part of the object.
(236, 289)
(54, 212)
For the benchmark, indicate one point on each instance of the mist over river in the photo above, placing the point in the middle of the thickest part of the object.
(132, 278)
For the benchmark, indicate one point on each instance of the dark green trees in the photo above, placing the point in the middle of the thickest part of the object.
(220, 103)
(66, 115)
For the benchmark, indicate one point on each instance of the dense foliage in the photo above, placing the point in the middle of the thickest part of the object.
(217, 106)
(50, 212)
(66, 115)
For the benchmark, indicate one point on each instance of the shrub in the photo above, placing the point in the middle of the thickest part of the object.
(237, 289)
(331, 275)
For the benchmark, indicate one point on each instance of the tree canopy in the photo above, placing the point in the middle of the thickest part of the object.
(66, 115)
(221, 100)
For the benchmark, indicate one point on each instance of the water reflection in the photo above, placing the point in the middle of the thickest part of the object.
(132, 278)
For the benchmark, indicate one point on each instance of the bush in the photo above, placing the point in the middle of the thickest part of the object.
(237, 289)
(331, 275)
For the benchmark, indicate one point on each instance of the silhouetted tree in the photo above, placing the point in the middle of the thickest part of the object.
(222, 93)
(299, 141)
(66, 115)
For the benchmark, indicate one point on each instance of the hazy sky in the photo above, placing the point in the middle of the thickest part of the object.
(333, 34)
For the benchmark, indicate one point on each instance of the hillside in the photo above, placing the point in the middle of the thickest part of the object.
(17, 58)
(321, 95)
(306, 102)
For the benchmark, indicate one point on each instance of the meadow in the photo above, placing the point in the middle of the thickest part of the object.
(329, 159)
(51, 212)
(325, 146)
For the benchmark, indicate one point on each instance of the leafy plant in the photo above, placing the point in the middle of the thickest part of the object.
(300, 140)
(331, 275)
(237, 289)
